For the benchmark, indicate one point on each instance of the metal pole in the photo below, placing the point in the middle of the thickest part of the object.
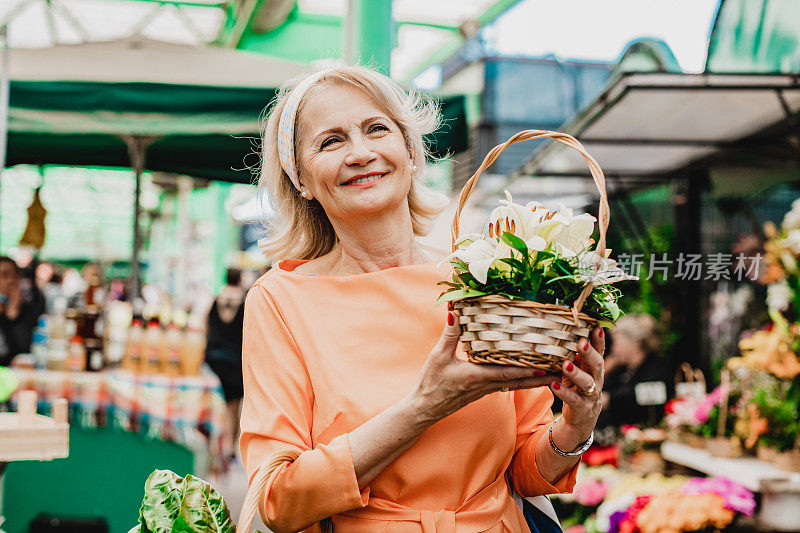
(5, 78)
(350, 24)
(137, 147)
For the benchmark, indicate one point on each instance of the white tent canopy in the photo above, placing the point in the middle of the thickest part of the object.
(142, 60)
(652, 124)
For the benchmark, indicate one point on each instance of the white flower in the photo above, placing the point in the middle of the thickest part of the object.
(575, 234)
(482, 254)
(569, 233)
(792, 241)
(525, 222)
(792, 219)
(779, 296)
(600, 270)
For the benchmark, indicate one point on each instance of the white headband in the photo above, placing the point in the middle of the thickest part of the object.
(287, 122)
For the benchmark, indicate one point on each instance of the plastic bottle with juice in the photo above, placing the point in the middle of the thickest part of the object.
(194, 347)
(76, 358)
(133, 351)
(154, 347)
(171, 363)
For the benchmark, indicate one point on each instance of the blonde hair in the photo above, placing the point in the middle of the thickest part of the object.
(300, 229)
(641, 329)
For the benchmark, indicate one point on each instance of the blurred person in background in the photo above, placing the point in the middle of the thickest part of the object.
(48, 280)
(633, 359)
(21, 304)
(224, 346)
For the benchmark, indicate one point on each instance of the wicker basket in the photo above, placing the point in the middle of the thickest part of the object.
(789, 461)
(501, 331)
(722, 446)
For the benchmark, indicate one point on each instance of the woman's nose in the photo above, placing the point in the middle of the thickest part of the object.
(360, 151)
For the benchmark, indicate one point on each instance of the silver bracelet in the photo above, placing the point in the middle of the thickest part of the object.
(576, 453)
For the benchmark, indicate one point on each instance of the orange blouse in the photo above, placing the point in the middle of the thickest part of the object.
(324, 354)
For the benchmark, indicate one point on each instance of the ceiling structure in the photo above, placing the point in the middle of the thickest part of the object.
(298, 30)
(647, 126)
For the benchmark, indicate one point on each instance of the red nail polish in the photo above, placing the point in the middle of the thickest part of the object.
(450, 319)
(601, 333)
(570, 366)
(539, 373)
(585, 345)
(556, 385)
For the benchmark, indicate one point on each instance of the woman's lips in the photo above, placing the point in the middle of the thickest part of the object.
(365, 181)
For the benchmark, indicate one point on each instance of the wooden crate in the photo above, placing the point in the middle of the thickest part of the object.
(27, 436)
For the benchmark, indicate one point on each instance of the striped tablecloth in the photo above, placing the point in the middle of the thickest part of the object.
(188, 410)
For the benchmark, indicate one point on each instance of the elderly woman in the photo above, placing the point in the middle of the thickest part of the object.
(358, 408)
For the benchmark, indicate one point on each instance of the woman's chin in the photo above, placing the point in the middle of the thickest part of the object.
(374, 203)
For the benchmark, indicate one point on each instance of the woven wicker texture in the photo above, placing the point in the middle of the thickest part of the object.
(498, 330)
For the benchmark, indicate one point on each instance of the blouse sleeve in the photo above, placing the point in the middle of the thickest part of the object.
(277, 418)
(534, 417)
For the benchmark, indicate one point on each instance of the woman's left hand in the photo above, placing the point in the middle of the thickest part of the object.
(580, 389)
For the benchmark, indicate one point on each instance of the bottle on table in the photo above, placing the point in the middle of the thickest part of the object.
(172, 354)
(194, 346)
(94, 355)
(133, 351)
(154, 340)
(39, 342)
(76, 358)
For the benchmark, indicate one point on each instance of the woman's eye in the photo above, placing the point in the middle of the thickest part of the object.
(329, 141)
(378, 127)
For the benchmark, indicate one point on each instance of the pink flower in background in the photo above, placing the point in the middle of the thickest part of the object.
(683, 412)
(577, 528)
(703, 410)
(736, 496)
(591, 493)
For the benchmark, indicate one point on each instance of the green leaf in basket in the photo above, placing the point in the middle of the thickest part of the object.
(173, 504)
(614, 308)
(516, 243)
(514, 263)
(459, 295)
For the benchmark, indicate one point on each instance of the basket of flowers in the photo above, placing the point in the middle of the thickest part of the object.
(528, 288)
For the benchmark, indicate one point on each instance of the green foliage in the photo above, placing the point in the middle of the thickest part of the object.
(710, 426)
(782, 410)
(173, 504)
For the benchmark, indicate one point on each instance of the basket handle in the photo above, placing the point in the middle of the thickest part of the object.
(686, 372)
(594, 168)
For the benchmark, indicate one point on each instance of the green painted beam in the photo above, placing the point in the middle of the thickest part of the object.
(444, 27)
(373, 33)
(452, 46)
(495, 10)
(188, 3)
(237, 22)
(304, 37)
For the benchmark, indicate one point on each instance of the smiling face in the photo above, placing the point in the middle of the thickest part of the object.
(352, 157)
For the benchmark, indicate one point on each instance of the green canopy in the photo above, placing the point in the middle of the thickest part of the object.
(206, 132)
(755, 37)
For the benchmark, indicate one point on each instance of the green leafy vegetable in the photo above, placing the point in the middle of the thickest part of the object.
(173, 504)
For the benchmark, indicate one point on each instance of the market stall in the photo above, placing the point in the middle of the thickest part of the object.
(187, 410)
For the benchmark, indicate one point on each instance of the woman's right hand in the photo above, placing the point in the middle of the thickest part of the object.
(447, 383)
